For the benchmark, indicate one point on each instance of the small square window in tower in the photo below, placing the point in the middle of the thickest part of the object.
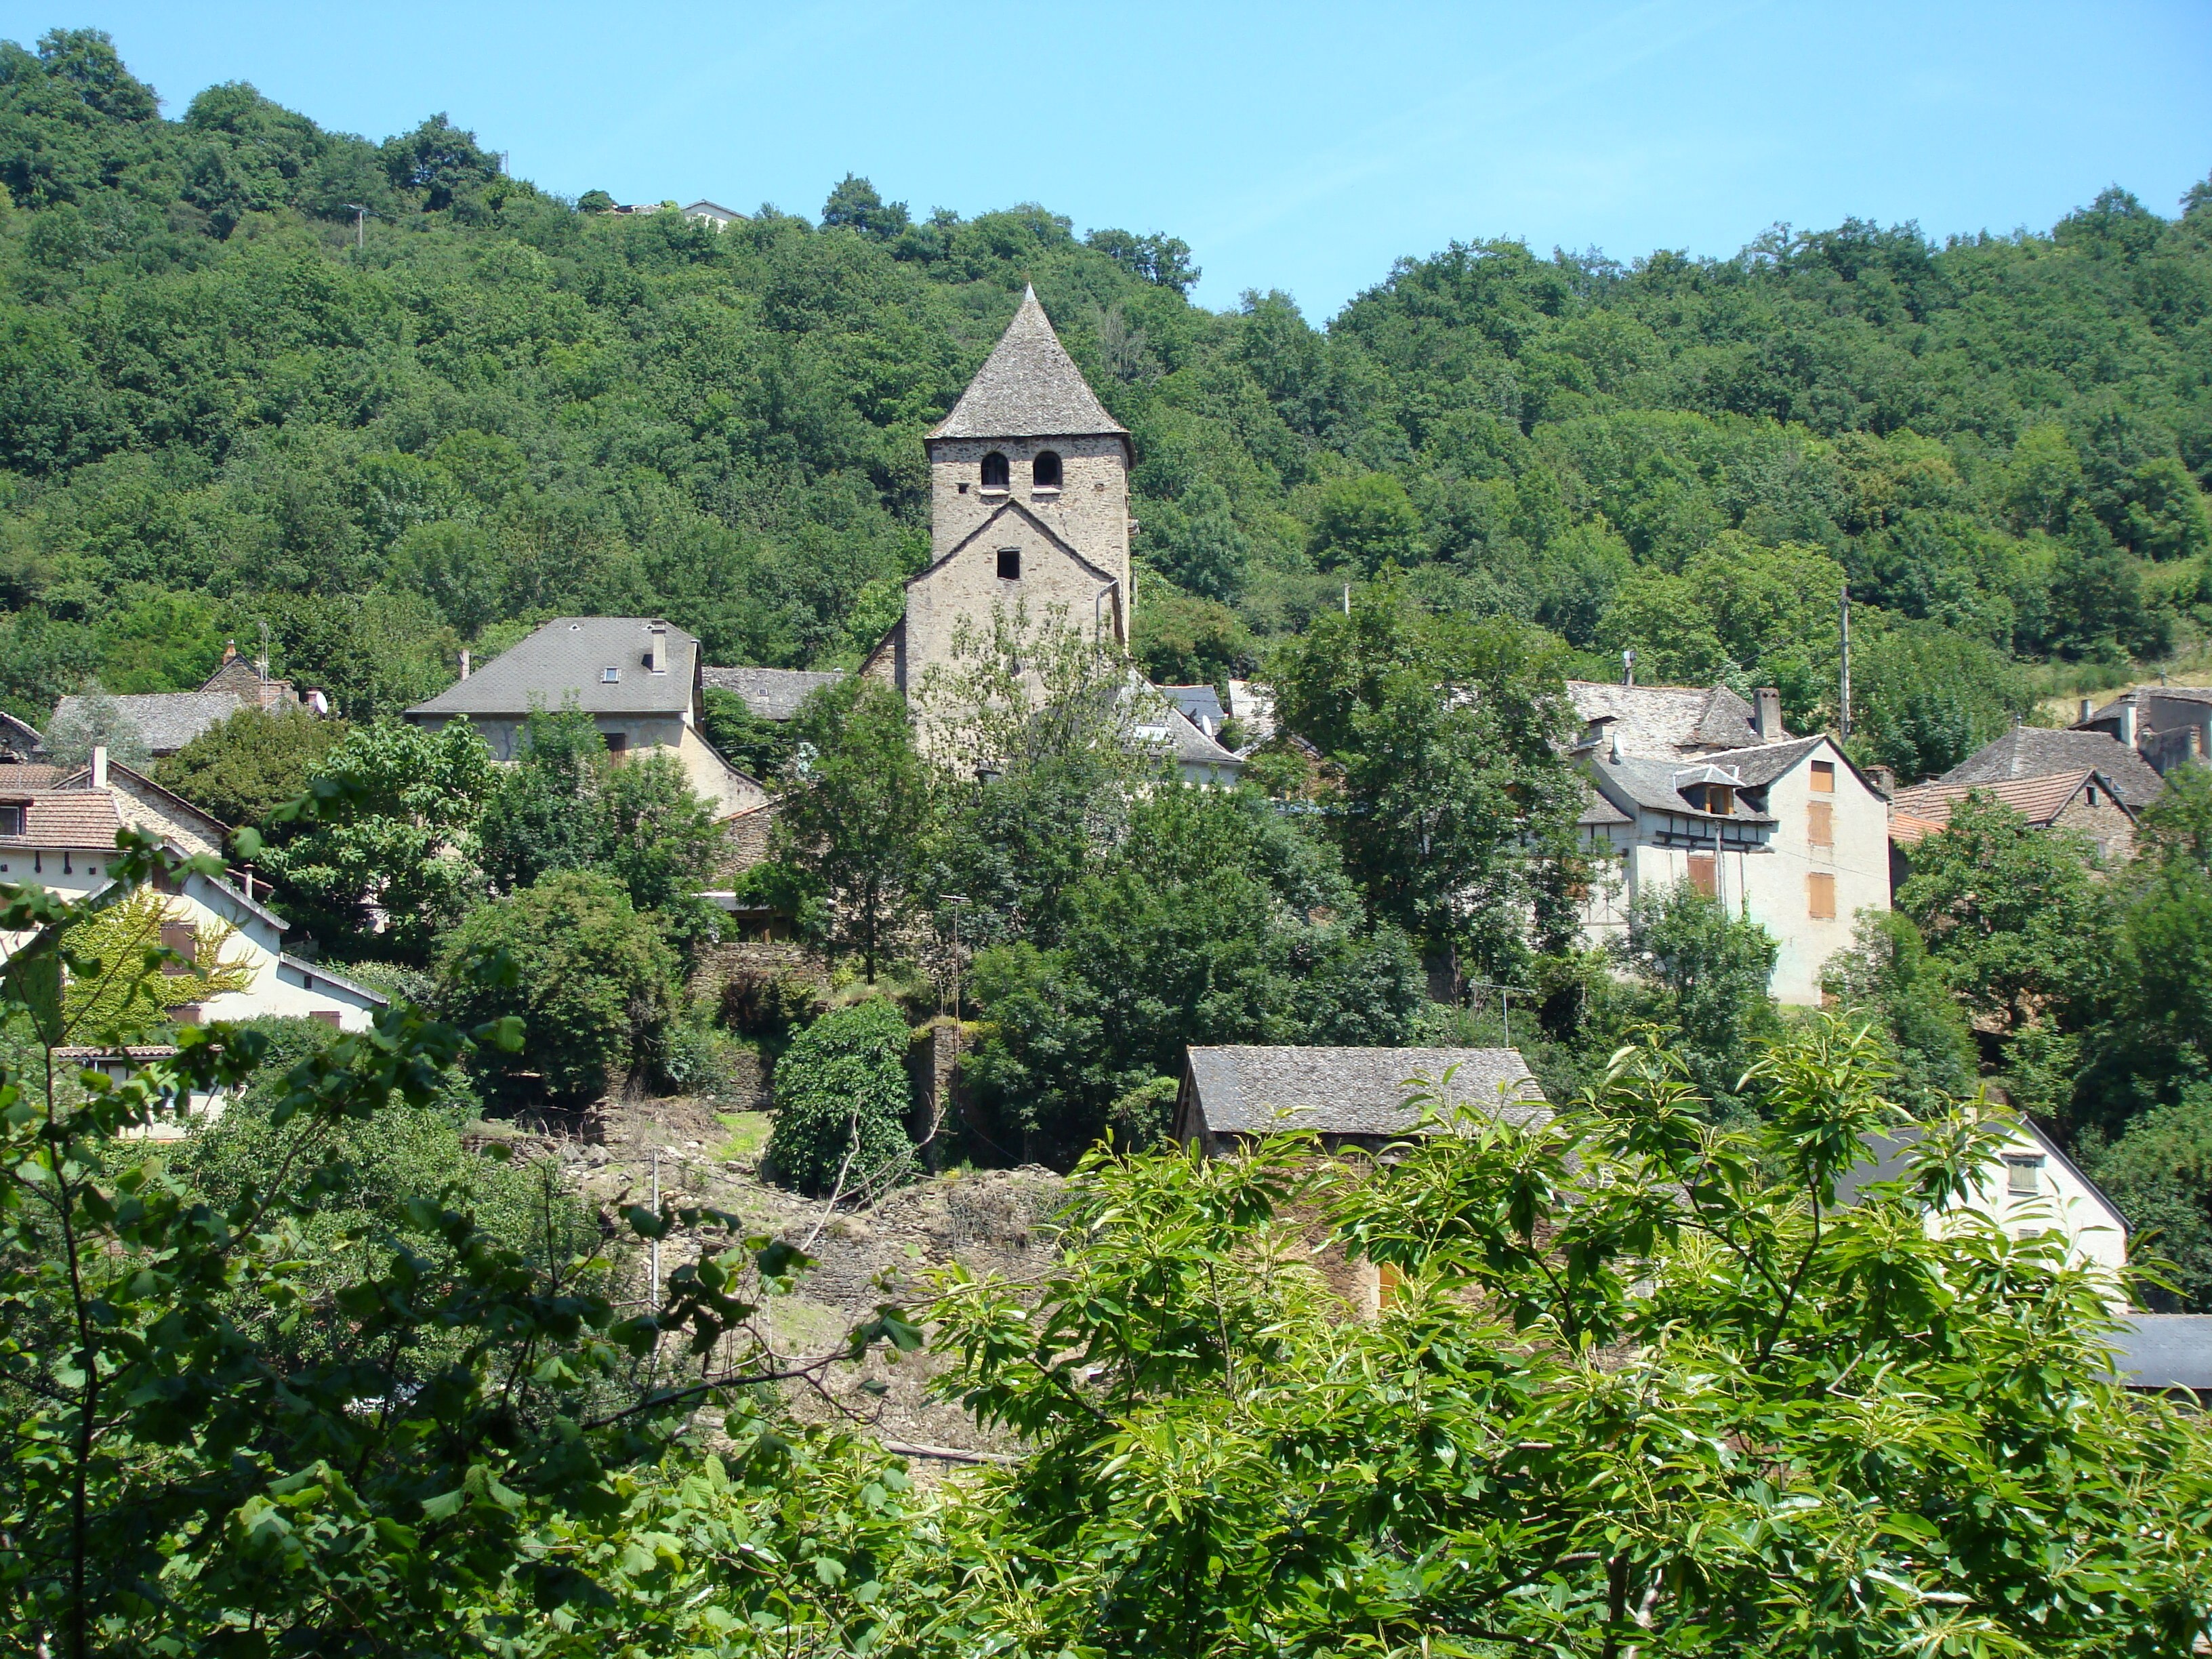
(1009, 564)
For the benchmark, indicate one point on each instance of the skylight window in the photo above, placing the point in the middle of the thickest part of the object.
(611, 676)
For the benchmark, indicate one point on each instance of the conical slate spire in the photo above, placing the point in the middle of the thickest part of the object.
(1029, 387)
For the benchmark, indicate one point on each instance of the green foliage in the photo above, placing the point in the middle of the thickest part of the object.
(1790, 1446)
(242, 769)
(1447, 790)
(2159, 1171)
(96, 720)
(387, 830)
(1703, 976)
(545, 812)
(841, 1103)
(759, 749)
(1924, 698)
(853, 814)
(592, 978)
(1887, 975)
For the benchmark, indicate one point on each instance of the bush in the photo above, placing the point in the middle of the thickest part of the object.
(251, 763)
(595, 981)
(841, 1103)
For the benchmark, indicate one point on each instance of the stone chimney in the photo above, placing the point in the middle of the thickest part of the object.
(1885, 779)
(1628, 665)
(100, 766)
(230, 650)
(2088, 707)
(656, 652)
(2127, 722)
(1768, 720)
(465, 662)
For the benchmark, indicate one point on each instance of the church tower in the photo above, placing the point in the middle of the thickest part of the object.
(1029, 491)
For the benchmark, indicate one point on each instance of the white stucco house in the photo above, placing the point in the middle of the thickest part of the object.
(1693, 784)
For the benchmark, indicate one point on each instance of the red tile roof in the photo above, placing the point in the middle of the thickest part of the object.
(1926, 808)
(75, 819)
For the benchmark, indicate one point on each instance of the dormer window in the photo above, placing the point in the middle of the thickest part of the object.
(1044, 471)
(995, 473)
(11, 820)
(611, 676)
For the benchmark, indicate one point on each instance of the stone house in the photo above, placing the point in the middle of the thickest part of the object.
(2087, 802)
(2035, 751)
(636, 676)
(167, 721)
(2169, 726)
(1351, 1097)
(1694, 784)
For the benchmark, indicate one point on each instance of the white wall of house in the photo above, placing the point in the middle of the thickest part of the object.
(1779, 886)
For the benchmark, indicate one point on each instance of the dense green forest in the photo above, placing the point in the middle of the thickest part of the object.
(217, 411)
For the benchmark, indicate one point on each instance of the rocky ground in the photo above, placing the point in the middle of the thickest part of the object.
(995, 1221)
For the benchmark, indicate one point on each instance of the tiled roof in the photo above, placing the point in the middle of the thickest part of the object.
(772, 693)
(2035, 751)
(1029, 387)
(33, 774)
(167, 721)
(569, 656)
(2037, 800)
(1657, 722)
(79, 820)
(1355, 1090)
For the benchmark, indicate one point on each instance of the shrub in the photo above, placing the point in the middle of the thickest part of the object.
(595, 980)
(841, 1103)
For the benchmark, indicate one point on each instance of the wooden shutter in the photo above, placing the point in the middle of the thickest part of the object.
(329, 1017)
(1820, 823)
(1701, 875)
(1821, 896)
(178, 936)
(1824, 777)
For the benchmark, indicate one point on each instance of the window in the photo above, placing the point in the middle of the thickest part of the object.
(1720, 801)
(1044, 471)
(329, 1017)
(188, 1014)
(11, 820)
(2023, 1177)
(618, 743)
(994, 471)
(1821, 896)
(1702, 875)
(611, 676)
(2090, 795)
(1820, 823)
(1009, 564)
(1824, 777)
(178, 936)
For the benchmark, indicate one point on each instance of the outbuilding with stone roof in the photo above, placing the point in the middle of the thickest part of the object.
(1362, 1097)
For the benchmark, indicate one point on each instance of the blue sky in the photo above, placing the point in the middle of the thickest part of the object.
(1299, 147)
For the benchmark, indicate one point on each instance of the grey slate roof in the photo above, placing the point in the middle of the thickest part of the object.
(1597, 810)
(2034, 751)
(1355, 1090)
(1659, 721)
(1160, 720)
(772, 693)
(1656, 785)
(167, 721)
(1760, 764)
(2164, 1351)
(18, 739)
(1200, 702)
(568, 657)
(1029, 387)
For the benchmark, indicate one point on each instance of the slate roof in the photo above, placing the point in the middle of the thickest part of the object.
(2037, 800)
(1656, 785)
(2164, 1351)
(1761, 763)
(772, 693)
(79, 820)
(1029, 387)
(1597, 810)
(569, 656)
(167, 720)
(18, 737)
(2035, 751)
(1354, 1091)
(315, 971)
(1162, 722)
(1200, 702)
(1660, 722)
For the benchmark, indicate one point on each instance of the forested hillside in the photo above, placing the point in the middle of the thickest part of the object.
(217, 411)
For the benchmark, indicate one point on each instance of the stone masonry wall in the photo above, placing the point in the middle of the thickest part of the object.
(1089, 511)
(2106, 824)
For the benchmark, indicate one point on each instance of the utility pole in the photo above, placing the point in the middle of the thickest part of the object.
(359, 225)
(656, 1243)
(264, 664)
(1845, 721)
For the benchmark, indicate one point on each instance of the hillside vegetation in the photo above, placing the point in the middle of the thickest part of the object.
(216, 412)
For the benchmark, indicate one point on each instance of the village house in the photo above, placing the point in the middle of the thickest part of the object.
(1694, 784)
(1366, 1098)
(636, 676)
(2036, 751)
(2168, 726)
(167, 720)
(2088, 803)
(62, 836)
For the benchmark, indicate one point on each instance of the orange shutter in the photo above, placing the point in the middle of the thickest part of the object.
(1820, 823)
(1821, 896)
(1701, 874)
(1824, 777)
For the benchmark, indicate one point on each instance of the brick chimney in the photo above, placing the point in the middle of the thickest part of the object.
(656, 653)
(1768, 720)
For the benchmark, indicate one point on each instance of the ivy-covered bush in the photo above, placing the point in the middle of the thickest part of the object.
(841, 1103)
